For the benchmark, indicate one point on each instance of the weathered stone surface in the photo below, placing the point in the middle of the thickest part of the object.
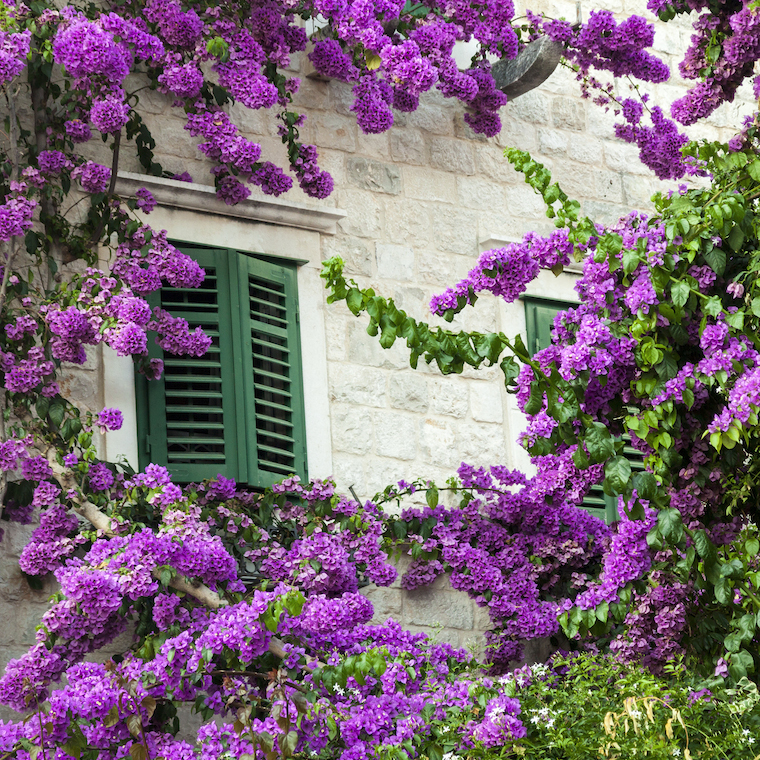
(448, 397)
(452, 155)
(395, 435)
(394, 262)
(408, 147)
(374, 175)
(450, 609)
(408, 391)
(569, 114)
(357, 385)
(386, 601)
(430, 185)
(486, 402)
(352, 429)
(438, 443)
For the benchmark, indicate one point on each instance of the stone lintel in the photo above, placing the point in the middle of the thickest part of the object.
(193, 197)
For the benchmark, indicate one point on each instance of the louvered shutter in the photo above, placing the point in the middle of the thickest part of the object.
(539, 321)
(191, 422)
(238, 410)
(271, 360)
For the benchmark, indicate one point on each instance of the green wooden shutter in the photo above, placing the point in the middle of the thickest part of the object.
(271, 370)
(238, 410)
(539, 322)
(192, 414)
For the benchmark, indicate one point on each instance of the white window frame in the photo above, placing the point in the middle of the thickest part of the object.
(279, 228)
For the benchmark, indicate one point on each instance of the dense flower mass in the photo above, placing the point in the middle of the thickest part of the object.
(254, 607)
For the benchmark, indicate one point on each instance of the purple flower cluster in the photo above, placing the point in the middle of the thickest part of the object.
(14, 48)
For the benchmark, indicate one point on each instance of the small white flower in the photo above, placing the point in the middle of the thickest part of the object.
(751, 740)
(636, 714)
(675, 752)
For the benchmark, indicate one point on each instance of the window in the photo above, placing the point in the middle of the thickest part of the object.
(238, 410)
(539, 320)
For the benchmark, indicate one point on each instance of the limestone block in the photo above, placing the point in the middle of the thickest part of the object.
(425, 606)
(341, 97)
(578, 181)
(609, 187)
(455, 230)
(448, 397)
(331, 130)
(351, 429)
(438, 444)
(364, 214)
(605, 213)
(408, 222)
(366, 350)
(408, 146)
(533, 107)
(522, 201)
(435, 119)
(486, 402)
(355, 252)
(481, 618)
(386, 601)
(475, 192)
(15, 537)
(395, 435)
(373, 175)
(464, 131)
(313, 94)
(336, 333)
(429, 185)
(552, 142)
(474, 642)
(569, 113)
(514, 132)
(441, 268)
(374, 146)
(382, 472)
(408, 391)
(638, 191)
(586, 150)
(84, 386)
(452, 155)
(350, 384)
(174, 138)
(482, 444)
(394, 262)
(348, 470)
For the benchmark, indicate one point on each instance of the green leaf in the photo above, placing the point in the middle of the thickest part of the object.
(724, 592)
(617, 473)
(645, 484)
(670, 525)
(599, 442)
(679, 293)
(56, 413)
(354, 300)
(753, 169)
(431, 497)
(747, 627)
(716, 258)
(712, 306)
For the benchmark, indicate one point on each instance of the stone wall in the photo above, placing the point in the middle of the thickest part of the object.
(422, 201)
